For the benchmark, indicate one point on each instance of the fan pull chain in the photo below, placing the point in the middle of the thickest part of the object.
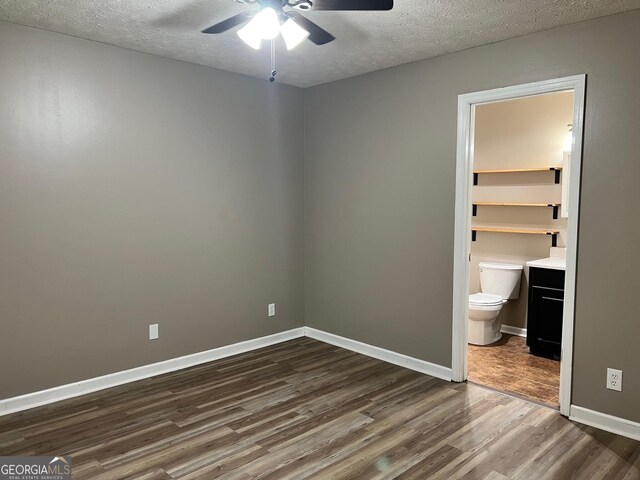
(272, 78)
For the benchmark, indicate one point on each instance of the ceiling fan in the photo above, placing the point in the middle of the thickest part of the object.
(272, 19)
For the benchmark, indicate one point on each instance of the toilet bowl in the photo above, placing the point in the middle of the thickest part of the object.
(484, 325)
(499, 282)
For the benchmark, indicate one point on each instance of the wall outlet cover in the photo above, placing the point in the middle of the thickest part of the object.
(614, 379)
(272, 310)
(153, 331)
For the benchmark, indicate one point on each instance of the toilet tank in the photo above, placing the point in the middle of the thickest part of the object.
(501, 279)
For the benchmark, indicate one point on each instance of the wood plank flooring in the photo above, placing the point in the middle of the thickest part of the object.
(508, 366)
(305, 409)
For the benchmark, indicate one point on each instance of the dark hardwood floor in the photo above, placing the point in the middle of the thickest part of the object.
(305, 409)
(508, 366)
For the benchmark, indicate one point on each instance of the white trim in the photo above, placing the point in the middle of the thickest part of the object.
(462, 234)
(583, 415)
(568, 315)
(603, 421)
(520, 332)
(399, 359)
(43, 397)
(83, 387)
(462, 240)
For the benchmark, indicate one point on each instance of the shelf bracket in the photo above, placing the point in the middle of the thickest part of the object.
(557, 175)
(473, 235)
(475, 179)
(554, 239)
(555, 211)
(475, 210)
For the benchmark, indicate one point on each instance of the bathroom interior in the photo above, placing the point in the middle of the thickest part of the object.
(520, 210)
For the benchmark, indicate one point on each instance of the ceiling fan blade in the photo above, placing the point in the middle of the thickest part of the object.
(352, 5)
(317, 35)
(230, 22)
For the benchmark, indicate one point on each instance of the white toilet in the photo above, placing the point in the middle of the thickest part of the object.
(499, 283)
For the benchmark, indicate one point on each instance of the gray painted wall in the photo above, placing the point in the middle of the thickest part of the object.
(137, 190)
(380, 183)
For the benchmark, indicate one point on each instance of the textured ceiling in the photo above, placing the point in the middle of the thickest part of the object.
(366, 41)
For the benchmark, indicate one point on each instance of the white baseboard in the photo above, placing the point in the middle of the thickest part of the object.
(43, 397)
(578, 414)
(520, 332)
(603, 421)
(411, 363)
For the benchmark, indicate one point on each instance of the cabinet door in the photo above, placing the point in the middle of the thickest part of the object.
(547, 304)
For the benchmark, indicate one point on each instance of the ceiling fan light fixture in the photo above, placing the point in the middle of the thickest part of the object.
(250, 37)
(292, 33)
(265, 24)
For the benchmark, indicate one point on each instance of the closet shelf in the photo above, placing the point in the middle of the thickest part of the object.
(520, 170)
(555, 206)
(519, 230)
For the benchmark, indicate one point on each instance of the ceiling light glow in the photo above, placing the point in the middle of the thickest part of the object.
(292, 33)
(250, 37)
(265, 24)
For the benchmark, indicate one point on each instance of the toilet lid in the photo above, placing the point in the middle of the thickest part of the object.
(485, 299)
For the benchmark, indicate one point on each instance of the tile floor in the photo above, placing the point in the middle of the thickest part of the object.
(507, 366)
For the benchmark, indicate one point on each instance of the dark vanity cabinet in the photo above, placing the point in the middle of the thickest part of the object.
(544, 314)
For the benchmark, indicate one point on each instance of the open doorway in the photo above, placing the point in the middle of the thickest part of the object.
(517, 194)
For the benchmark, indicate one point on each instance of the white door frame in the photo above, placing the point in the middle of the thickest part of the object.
(462, 237)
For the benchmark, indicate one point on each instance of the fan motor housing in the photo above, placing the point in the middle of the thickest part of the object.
(301, 4)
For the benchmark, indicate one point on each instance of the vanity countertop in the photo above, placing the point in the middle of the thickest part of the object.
(553, 263)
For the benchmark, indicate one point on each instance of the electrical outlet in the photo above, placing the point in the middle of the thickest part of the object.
(272, 310)
(614, 379)
(153, 331)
